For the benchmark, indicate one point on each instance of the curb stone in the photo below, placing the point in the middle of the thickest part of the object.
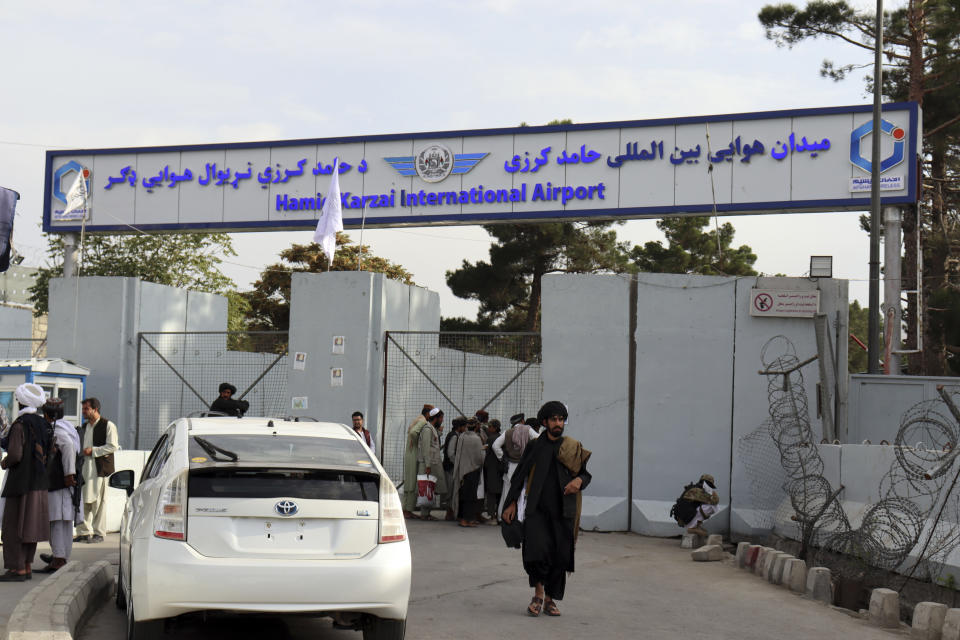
(54, 609)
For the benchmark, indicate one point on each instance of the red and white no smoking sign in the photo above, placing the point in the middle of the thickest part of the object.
(781, 303)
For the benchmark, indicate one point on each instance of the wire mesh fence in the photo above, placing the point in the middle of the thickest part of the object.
(22, 348)
(179, 373)
(460, 373)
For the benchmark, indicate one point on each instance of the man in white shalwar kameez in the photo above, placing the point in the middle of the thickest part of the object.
(705, 493)
(100, 440)
(511, 443)
(64, 513)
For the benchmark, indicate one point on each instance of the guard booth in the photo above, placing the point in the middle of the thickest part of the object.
(59, 378)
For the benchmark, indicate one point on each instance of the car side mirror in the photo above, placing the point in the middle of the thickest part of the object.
(123, 480)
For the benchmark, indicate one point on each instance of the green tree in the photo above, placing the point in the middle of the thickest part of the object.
(690, 249)
(269, 301)
(188, 260)
(508, 286)
(920, 44)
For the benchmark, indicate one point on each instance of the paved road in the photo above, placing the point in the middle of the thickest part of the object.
(467, 584)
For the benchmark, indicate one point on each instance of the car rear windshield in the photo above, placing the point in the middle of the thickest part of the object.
(282, 483)
(282, 450)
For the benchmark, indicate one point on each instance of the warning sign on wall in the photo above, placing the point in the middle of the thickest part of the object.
(778, 303)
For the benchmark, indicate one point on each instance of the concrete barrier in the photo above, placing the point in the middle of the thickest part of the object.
(752, 555)
(797, 570)
(715, 538)
(708, 553)
(928, 620)
(776, 575)
(54, 609)
(951, 625)
(885, 608)
(743, 552)
(818, 585)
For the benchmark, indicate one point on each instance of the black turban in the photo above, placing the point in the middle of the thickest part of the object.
(224, 386)
(550, 409)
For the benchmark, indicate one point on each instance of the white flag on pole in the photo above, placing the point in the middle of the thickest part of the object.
(331, 216)
(76, 208)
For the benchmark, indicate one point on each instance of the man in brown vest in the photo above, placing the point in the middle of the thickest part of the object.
(99, 437)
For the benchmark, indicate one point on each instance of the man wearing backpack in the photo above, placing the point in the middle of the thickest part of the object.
(697, 503)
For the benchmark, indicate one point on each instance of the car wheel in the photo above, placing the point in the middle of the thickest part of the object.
(144, 630)
(375, 628)
(120, 598)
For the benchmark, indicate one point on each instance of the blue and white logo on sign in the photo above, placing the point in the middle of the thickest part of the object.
(286, 507)
(856, 139)
(435, 162)
(59, 192)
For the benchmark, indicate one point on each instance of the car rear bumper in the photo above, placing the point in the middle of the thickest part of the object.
(170, 578)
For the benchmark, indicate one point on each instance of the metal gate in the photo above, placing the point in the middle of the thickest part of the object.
(459, 372)
(179, 372)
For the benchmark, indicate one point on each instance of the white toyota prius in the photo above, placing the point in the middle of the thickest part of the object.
(263, 515)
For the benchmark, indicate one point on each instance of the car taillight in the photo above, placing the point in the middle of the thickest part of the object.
(392, 526)
(171, 518)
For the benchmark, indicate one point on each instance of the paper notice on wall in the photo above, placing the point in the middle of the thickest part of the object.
(299, 402)
(300, 360)
(338, 344)
(336, 377)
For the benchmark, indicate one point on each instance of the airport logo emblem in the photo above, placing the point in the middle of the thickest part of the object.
(857, 148)
(435, 162)
(61, 186)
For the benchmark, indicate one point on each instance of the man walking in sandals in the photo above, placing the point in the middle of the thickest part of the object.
(547, 485)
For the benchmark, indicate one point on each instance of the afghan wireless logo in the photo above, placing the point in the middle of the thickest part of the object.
(59, 192)
(888, 128)
(435, 162)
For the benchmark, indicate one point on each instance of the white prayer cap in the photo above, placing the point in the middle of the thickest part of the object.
(29, 394)
(434, 411)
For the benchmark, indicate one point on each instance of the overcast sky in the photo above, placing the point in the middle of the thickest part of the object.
(115, 74)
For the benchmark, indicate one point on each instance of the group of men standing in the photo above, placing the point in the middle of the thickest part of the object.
(56, 479)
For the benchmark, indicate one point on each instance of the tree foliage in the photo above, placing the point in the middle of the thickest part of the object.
(188, 260)
(920, 47)
(690, 249)
(508, 285)
(858, 323)
(269, 301)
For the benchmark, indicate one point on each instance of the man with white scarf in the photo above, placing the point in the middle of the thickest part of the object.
(62, 470)
(511, 444)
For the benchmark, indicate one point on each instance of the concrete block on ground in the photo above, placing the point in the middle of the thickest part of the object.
(743, 552)
(691, 541)
(761, 558)
(884, 607)
(951, 625)
(818, 585)
(772, 565)
(765, 560)
(776, 574)
(708, 553)
(797, 569)
(752, 555)
(715, 538)
(928, 620)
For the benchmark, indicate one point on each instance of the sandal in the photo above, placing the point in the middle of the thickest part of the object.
(535, 606)
(550, 608)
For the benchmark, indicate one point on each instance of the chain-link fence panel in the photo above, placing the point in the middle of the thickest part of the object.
(180, 373)
(459, 372)
(22, 348)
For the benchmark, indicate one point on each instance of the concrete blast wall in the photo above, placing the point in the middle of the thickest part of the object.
(16, 323)
(94, 321)
(696, 386)
(359, 306)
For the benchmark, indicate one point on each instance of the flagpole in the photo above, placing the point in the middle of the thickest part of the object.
(363, 220)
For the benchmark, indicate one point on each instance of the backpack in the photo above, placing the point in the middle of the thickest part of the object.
(684, 510)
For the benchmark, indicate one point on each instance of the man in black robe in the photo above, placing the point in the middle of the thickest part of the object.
(226, 404)
(547, 483)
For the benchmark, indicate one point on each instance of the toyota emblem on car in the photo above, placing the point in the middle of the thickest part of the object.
(286, 507)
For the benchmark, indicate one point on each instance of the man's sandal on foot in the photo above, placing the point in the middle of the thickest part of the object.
(535, 606)
(550, 608)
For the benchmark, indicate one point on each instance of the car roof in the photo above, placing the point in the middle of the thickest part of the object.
(256, 425)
